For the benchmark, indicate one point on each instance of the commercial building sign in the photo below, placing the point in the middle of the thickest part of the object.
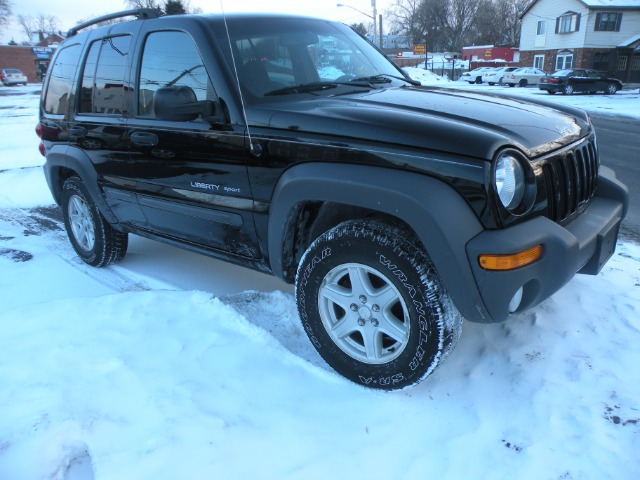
(419, 49)
(43, 53)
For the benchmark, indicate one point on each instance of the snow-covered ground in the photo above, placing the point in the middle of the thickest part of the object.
(175, 366)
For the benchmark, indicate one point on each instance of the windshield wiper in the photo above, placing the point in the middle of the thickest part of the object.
(303, 88)
(384, 78)
(364, 82)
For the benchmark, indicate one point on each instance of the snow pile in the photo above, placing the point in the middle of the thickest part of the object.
(172, 365)
(426, 77)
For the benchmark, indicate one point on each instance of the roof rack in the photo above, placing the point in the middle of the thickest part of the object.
(139, 13)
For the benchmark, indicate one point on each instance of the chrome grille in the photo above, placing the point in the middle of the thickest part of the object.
(571, 180)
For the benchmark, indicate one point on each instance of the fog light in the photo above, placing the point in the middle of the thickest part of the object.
(515, 301)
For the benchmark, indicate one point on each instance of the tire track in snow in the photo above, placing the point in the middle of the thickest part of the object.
(47, 222)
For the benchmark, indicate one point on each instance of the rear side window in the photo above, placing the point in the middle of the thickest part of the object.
(171, 59)
(103, 89)
(59, 88)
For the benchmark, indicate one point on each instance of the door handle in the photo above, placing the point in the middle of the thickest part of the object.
(144, 139)
(77, 132)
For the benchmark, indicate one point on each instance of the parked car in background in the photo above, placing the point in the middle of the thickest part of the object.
(12, 76)
(579, 80)
(475, 76)
(524, 76)
(497, 75)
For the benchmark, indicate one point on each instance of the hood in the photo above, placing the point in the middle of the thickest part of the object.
(463, 123)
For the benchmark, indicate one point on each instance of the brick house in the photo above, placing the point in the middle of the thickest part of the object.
(600, 34)
(33, 60)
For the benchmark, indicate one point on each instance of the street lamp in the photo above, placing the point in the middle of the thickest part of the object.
(372, 17)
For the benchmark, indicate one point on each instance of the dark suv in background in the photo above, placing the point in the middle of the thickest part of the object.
(292, 146)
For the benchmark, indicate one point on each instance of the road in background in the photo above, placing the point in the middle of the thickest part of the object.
(619, 145)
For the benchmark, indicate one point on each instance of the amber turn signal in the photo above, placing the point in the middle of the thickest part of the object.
(512, 261)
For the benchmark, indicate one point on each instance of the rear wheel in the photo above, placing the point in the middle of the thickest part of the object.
(523, 83)
(92, 237)
(373, 305)
(568, 89)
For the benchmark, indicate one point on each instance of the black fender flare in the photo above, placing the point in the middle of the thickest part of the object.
(61, 159)
(439, 215)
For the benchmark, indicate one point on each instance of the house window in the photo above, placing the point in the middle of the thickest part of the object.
(541, 27)
(608, 21)
(564, 61)
(541, 33)
(635, 62)
(569, 22)
(538, 62)
(601, 61)
(622, 62)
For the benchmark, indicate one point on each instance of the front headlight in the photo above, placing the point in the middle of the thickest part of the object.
(509, 180)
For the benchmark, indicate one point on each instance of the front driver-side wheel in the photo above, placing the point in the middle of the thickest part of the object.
(373, 305)
(92, 237)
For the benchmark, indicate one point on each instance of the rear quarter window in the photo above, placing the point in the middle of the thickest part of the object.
(59, 87)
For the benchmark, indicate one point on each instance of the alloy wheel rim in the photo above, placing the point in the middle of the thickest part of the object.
(81, 223)
(364, 313)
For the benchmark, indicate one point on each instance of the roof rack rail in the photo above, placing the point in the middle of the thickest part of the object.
(140, 13)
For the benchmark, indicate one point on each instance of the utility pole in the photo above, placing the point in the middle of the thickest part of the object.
(375, 16)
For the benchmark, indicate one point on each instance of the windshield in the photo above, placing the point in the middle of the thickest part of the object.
(285, 56)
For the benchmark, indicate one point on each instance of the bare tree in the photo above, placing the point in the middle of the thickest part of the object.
(40, 23)
(512, 21)
(453, 24)
(143, 4)
(442, 24)
(405, 19)
(433, 15)
(169, 7)
(460, 21)
(5, 12)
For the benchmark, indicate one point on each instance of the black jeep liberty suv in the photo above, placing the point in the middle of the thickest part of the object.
(292, 146)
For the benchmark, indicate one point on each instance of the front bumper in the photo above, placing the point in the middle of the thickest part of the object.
(582, 246)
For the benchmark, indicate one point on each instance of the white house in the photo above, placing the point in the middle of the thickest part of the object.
(599, 34)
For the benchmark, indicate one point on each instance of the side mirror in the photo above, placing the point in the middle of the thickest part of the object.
(178, 103)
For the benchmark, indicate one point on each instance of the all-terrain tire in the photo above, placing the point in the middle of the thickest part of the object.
(373, 305)
(93, 238)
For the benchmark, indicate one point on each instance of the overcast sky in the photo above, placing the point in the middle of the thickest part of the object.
(69, 12)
